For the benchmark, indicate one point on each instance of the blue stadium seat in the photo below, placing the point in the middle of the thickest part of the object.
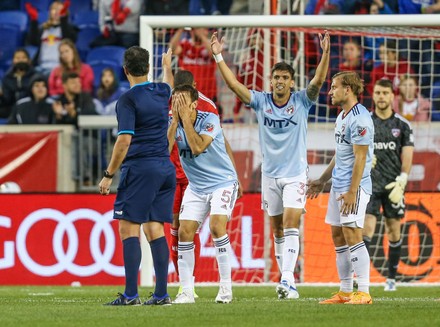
(10, 40)
(86, 19)
(106, 56)
(15, 18)
(77, 6)
(32, 50)
(85, 36)
(41, 5)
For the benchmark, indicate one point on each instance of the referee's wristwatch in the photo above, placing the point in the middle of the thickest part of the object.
(107, 174)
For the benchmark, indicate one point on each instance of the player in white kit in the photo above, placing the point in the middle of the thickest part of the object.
(212, 188)
(282, 118)
(349, 171)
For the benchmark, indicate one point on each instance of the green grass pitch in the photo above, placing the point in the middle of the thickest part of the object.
(252, 306)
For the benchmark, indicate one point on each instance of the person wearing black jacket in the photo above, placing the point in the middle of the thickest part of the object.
(48, 36)
(15, 83)
(35, 109)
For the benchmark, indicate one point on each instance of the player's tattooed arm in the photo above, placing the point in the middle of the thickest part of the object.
(313, 92)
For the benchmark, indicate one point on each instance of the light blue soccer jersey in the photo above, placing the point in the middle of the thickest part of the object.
(211, 169)
(283, 132)
(354, 128)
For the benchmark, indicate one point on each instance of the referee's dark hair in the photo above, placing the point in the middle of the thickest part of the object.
(384, 82)
(185, 88)
(136, 61)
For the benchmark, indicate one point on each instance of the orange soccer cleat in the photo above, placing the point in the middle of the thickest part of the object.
(337, 298)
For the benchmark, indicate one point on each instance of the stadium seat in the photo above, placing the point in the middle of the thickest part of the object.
(32, 50)
(41, 5)
(85, 36)
(77, 6)
(15, 18)
(106, 56)
(86, 19)
(10, 40)
(435, 105)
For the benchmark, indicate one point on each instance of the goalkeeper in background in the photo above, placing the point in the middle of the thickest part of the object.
(393, 153)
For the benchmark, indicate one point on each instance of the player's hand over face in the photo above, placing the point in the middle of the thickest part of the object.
(182, 104)
(325, 41)
(314, 188)
(166, 58)
(348, 203)
(216, 46)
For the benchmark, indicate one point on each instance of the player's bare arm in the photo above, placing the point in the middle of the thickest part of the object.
(314, 187)
(174, 42)
(238, 88)
(321, 71)
(349, 198)
(407, 158)
(231, 156)
(166, 68)
(187, 113)
(120, 150)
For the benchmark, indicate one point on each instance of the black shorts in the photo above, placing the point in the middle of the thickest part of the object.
(390, 209)
(146, 191)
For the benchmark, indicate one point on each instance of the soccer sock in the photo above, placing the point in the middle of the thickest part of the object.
(279, 246)
(222, 252)
(174, 243)
(132, 260)
(186, 265)
(345, 270)
(290, 254)
(361, 264)
(161, 256)
(367, 241)
(196, 252)
(393, 258)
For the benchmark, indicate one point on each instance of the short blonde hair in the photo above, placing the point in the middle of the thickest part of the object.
(352, 79)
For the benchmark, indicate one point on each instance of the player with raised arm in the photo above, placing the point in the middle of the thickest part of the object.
(349, 170)
(393, 151)
(212, 188)
(282, 118)
(148, 179)
(185, 77)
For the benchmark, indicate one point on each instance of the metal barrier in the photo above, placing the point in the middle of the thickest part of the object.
(92, 146)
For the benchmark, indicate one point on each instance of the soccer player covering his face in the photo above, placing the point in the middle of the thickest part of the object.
(212, 188)
(282, 118)
(148, 178)
(393, 153)
(351, 188)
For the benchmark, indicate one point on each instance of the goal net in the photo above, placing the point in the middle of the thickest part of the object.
(252, 45)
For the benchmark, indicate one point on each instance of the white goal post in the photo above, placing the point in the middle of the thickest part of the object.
(402, 27)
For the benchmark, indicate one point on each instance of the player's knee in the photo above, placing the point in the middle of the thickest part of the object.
(186, 233)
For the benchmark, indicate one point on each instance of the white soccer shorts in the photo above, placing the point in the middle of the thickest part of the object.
(334, 216)
(197, 206)
(280, 193)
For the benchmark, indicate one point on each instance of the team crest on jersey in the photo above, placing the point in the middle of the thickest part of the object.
(268, 111)
(395, 132)
(362, 131)
(209, 127)
(290, 110)
(179, 139)
(343, 128)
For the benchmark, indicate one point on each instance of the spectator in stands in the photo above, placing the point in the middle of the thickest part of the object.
(194, 52)
(419, 7)
(108, 92)
(409, 103)
(16, 82)
(380, 7)
(166, 7)
(119, 23)
(35, 109)
(73, 101)
(49, 35)
(392, 67)
(209, 7)
(70, 62)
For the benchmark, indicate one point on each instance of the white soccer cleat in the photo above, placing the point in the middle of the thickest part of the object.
(184, 297)
(390, 285)
(286, 291)
(224, 295)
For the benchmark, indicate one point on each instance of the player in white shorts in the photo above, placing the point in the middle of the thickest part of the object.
(212, 188)
(282, 123)
(351, 188)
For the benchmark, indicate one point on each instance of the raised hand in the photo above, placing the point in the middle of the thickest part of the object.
(216, 46)
(31, 10)
(65, 8)
(166, 58)
(324, 41)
